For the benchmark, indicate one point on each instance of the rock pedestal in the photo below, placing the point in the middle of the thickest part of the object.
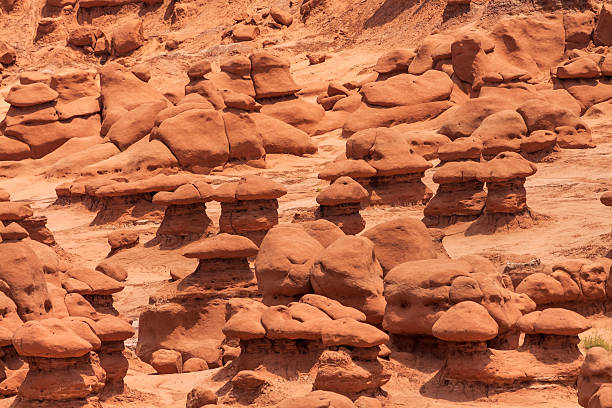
(249, 207)
(126, 202)
(326, 336)
(398, 168)
(506, 204)
(187, 315)
(62, 364)
(340, 203)
(460, 196)
(185, 218)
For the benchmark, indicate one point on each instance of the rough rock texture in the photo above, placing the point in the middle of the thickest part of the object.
(460, 195)
(401, 240)
(249, 206)
(348, 271)
(340, 203)
(284, 262)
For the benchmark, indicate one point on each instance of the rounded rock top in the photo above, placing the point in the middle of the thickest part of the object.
(222, 246)
(465, 322)
(13, 232)
(507, 166)
(556, 321)
(344, 190)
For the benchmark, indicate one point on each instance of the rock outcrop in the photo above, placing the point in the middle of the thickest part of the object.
(185, 218)
(340, 203)
(186, 316)
(249, 206)
(460, 195)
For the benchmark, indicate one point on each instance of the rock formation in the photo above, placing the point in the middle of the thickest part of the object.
(126, 202)
(249, 206)
(460, 195)
(322, 332)
(576, 284)
(185, 218)
(506, 204)
(62, 365)
(340, 203)
(193, 308)
(595, 378)
(399, 169)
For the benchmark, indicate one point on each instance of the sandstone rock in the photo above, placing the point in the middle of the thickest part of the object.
(280, 137)
(594, 373)
(54, 338)
(199, 69)
(281, 16)
(578, 29)
(245, 140)
(317, 399)
(348, 271)
(271, 76)
(340, 203)
(560, 322)
(296, 112)
(465, 322)
(121, 239)
(12, 149)
(395, 61)
(248, 380)
(14, 211)
(127, 37)
(31, 95)
(401, 240)
(194, 364)
(243, 319)
(602, 34)
(460, 194)
(201, 396)
(121, 89)
(167, 361)
(135, 125)
(23, 272)
(244, 32)
(113, 270)
(337, 372)
(323, 231)
(406, 89)
(368, 117)
(13, 232)
(208, 149)
(142, 72)
(8, 55)
(283, 264)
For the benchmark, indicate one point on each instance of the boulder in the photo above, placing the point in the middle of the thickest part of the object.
(281, 16)
(280, 137)
(283, 264)
(135, 125)
(396, 61)
(196, 137)
(347, 271)
(167, 361)
(127, 37)
(271, 76)
(401, 240)
(603, 33)
(465, 322)
(31, 95)
(406, 89)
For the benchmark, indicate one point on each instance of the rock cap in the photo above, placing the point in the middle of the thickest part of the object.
(222, 246)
